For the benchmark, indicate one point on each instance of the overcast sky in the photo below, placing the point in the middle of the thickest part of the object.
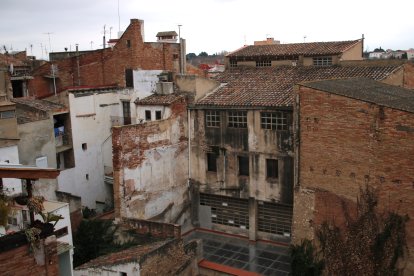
(211, 25)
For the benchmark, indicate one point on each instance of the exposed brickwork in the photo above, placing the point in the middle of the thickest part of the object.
(155, 229)
(19, 261)
(107, 66)
(131, 146)
(345, 144)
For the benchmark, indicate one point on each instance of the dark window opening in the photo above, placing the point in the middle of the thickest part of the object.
(126, 110)
(158, 115)
(211, 162)
(272, 168)
(84, 146)
(243, 165)
(129, 78)
(87, 176)
(128, 43)
(147, 115)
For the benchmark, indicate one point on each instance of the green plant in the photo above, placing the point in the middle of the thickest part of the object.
(33, 237)
(50, 217)
(305, 259)
(5, 208)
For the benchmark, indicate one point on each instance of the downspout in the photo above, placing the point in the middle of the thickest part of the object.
(189, 148)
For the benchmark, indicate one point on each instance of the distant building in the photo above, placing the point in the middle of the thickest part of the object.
(169, 37)
(296, 54)
(268, 41)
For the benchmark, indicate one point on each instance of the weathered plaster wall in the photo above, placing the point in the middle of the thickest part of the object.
(145, 82)
(346, 144)
(255, 143)
(165, 112)
(150, 168)
(37, 140)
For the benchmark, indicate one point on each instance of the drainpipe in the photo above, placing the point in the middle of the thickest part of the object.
(189, 147)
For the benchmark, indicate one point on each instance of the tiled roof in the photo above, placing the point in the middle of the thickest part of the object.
(132, 254)
(79, 91)
(159, 99)
(294, 49)
(368, 90)
(40, 104)
(170, 33)
(273, 86)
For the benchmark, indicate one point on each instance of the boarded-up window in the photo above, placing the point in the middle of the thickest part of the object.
(129, 79)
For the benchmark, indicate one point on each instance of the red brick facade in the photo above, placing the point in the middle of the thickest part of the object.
(107, 66)
(345, 144)
(19, 261)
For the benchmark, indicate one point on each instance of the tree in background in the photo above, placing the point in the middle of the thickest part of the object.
(203, 54)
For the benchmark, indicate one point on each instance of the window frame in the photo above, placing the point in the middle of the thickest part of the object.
(7, 114)
(274, 120)
(213, 118)
(263, 63)
(233, 63)
(237, 119)
(322, 61)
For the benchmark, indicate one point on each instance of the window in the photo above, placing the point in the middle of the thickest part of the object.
(158, 115)
(233, 63)
(238, 119)
(12, 221)
(322, 61)
(129, 78)
(7, 114)
(128, 43)
(272, 168)
(84, 146)
(147, 115)
(243, 165)
(274, 120)
(87, 176)
(263, 63)
(25, 216)
(211, 162)
(213, 118)
(126, 112)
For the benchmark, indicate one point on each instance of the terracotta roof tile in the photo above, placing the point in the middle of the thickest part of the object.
(40, 104)
(294, 49)
(169, 33)
(273, 86)
(159, 99)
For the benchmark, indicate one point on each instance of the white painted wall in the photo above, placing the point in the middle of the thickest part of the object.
(140, 112)
(145, 82)
(10, 155)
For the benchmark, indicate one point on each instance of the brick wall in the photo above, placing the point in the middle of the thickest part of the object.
(107, 66)
(156, 229)
(345, 144)
(19, 261)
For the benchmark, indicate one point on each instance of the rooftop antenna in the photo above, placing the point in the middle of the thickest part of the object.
(31, 49)
(119, 19)
(110, 32)
(50, 45)
(91, 45)
(304, 38)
